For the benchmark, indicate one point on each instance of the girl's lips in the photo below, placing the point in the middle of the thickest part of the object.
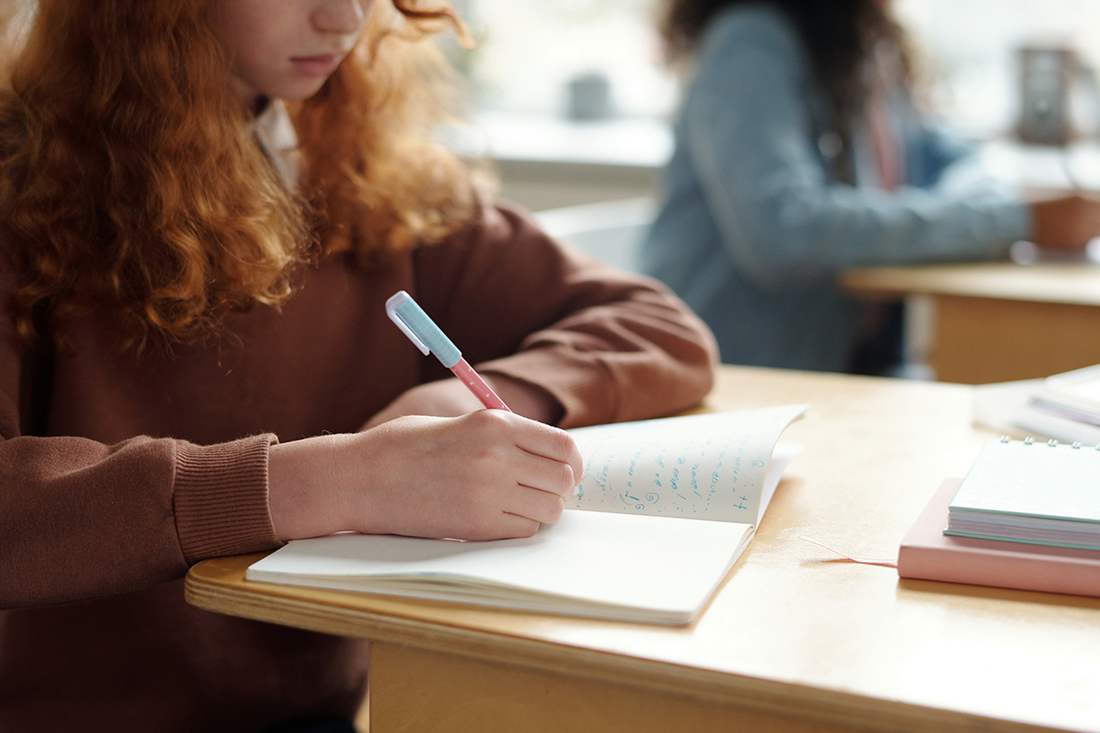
(319, 65)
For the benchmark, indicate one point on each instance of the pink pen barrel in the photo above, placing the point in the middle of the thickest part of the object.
(477, 385)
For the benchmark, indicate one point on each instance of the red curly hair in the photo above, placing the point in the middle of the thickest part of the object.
(130, 179)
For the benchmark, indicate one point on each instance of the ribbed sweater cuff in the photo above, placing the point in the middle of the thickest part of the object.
(221, 498)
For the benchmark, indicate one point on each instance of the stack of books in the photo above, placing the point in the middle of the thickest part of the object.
(1027, 515)
(1065, 406)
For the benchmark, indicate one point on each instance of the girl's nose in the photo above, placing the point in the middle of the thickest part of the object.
(340, 16)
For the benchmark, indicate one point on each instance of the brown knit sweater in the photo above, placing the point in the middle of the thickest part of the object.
(148, 465)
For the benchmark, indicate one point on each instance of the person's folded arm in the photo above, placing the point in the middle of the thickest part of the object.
(782, 218)
(605, 345)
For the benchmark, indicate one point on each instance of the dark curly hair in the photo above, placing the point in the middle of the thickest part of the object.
(839, 37)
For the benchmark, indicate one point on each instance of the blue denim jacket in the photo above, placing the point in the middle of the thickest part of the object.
(753, 225)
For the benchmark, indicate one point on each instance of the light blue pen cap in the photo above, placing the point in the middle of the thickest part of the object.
(421, 330)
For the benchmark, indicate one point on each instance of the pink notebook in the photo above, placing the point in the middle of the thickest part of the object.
(927, 553)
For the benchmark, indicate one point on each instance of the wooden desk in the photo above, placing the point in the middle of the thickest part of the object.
(998, 322)
(794, 641)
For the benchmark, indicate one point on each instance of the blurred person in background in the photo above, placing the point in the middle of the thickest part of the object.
(800, 151)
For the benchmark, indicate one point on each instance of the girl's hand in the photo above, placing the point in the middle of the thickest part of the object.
(485, 475)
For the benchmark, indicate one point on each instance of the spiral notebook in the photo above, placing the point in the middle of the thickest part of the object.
(1043, 493)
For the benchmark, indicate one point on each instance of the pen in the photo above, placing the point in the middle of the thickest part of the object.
(426, 336)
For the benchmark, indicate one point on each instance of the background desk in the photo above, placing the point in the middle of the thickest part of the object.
(794, 641)
(998, 322)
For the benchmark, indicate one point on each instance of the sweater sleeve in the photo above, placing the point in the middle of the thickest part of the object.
(608, 345)
(80, 519)
(750, 137)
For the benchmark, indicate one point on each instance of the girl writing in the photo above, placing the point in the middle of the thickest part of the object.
(204, 205)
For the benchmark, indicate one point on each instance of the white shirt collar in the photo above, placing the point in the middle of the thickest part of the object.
(276, 134)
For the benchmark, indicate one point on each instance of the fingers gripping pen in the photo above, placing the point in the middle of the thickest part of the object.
(422, 331)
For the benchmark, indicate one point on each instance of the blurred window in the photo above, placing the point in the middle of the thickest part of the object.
(970, 51)
(533, 52)
(589, 58)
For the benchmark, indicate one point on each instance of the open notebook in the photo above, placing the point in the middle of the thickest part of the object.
(664, 510)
